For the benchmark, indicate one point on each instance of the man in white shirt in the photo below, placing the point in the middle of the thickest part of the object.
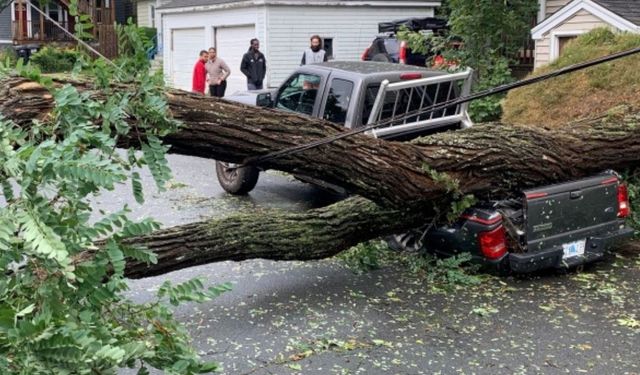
(218, 72)
(314, 54)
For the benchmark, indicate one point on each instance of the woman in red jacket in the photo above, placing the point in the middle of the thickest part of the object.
(200, 74)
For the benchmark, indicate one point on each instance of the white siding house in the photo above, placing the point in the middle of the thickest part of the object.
(282, 26)
(565, 19)
(146, 12)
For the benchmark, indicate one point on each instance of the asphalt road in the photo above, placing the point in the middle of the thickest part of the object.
(321, 318)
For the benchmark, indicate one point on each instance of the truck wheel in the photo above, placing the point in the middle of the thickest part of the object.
(409, 242)
(238, 181)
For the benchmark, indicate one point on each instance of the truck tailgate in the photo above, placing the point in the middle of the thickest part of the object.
(564, 215)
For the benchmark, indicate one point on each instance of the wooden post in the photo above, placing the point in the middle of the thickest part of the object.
(112, 4)
(92, 9)
(19, 11)
(42, 36)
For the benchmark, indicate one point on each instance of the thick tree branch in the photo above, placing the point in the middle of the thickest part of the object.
(274, 235)
(485, 159)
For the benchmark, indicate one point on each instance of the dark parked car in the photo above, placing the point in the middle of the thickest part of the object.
(386, 47)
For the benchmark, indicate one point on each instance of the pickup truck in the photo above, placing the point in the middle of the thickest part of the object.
(556, 226)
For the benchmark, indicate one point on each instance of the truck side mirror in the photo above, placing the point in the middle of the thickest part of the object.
(264, 100)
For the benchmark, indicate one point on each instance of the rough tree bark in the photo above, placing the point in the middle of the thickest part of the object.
(492, 159)
(274, 235)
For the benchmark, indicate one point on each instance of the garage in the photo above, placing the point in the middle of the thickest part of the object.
(185, 46)
(283, 27)
(232, 43)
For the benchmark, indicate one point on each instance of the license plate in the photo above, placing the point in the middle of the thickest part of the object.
(573, 249)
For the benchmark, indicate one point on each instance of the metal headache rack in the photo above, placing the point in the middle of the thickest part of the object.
(406, 105)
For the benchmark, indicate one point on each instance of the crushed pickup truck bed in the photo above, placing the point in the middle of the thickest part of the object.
(556, 226)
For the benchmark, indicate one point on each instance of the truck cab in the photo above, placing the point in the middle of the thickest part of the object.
(345, 92)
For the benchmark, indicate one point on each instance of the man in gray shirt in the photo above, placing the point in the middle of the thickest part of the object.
(314, 54)
(217, 72)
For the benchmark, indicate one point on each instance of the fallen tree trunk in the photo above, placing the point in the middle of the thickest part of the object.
(409, 182)
(274, 235)
(485, 159)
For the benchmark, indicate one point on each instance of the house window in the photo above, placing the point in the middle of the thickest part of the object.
(562, 42)
(327, 45)
(54, 11)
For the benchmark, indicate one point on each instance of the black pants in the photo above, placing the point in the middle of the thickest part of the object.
(218, 90)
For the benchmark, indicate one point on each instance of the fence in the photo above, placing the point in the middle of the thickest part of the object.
(107, 40)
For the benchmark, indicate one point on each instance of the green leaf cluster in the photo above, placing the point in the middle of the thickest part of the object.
(366, 256)
(492, 32)
(441, 274)
(459, 201)
(444, 274)
(63, 308)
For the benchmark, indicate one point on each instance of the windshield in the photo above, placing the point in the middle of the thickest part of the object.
(299, 93)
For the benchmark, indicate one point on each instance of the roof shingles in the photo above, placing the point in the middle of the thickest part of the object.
(627, 9)
(192, 3)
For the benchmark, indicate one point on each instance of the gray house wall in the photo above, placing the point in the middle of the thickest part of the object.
(5, 26)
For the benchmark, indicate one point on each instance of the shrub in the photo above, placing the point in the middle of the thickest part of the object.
(147, 33)
(55, 60)
(8, 55)
(490, 108)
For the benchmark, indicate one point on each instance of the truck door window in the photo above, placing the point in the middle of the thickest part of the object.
(299, 93)
(338, 101)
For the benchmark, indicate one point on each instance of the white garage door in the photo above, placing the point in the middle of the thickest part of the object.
(186, 44)
(232, 43)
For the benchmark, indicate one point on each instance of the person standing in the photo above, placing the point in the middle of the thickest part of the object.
(254, 66)
(200, 74)
(218, 72)
(314, 54)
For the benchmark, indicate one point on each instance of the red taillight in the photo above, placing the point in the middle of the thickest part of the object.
(493, 244)
(410, 76)
(365, 54)
(536, 195)
(624, 209)
(403, 52)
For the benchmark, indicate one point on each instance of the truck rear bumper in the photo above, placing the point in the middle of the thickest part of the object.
(595, 248)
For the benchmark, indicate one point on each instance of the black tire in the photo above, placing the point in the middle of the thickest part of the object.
(238, 181)
(381, 57)
(406, 242)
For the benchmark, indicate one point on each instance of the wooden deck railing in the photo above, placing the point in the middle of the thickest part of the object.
(39, 31)
(42, 30)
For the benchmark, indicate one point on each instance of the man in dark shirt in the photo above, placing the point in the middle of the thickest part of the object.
(254, 66)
